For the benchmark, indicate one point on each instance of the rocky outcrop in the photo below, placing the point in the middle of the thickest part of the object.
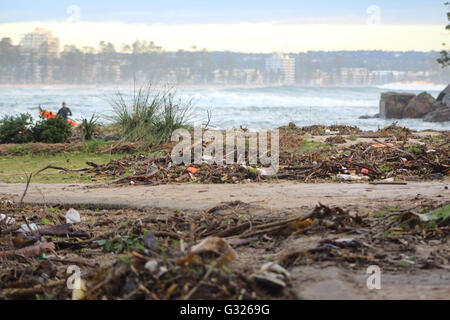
(392, 104)
(444, 97)
(439, 115)
(419, 106)
(395, 105)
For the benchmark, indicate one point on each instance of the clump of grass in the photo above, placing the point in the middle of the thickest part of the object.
(150, 115)
(88, 128)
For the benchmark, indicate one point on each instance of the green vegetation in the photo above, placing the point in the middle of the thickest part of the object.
(440, 215)
(54, 130)
(20, 129)
(16, 129)
(309, 146)
(120, 244)
(444, 59)
(88, 128)
(150, 115)
(380, 214)
(12, 168)
(94, 145)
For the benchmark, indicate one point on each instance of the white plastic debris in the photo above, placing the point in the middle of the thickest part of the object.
(266, 172)
(7, 202)
(270, 266)
(350, 177)
(388, 180)
(31, 229)
(73, 216)
(272, 276)
(152, 266)
(7, 220)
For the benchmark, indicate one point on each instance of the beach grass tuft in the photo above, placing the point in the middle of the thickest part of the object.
(150, 115)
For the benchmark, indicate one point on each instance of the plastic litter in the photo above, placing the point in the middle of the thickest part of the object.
(269, 172)
(5, 219)
(73, 216)
(192, 170)
(349, 177)
(31, 229)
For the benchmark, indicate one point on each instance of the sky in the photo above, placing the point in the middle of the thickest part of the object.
(245, 25)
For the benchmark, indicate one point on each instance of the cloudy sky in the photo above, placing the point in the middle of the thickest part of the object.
(237, 25)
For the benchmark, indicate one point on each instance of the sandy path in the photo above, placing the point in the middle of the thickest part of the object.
(284, 196)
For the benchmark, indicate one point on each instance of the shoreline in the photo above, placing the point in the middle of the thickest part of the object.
(225, 87)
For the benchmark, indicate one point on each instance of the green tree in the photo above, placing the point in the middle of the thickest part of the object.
(444, 60)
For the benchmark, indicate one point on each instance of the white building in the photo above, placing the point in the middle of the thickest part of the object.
(282, 65)
(41, 41)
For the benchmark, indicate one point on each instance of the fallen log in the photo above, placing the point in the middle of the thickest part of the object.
(33, 250)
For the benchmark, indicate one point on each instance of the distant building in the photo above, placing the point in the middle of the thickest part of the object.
(281, 69)
(39, 50)
(41, 41)
(355, 77)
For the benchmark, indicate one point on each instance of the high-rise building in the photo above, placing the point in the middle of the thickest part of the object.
(281, 68)
(42, 42)
(39, 49)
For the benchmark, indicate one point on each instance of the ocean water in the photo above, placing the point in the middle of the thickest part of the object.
(254, 108)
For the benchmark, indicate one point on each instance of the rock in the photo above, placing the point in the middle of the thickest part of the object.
(270, 281)
(419, 106)
(150, 241)
(366, 116)
(292, 125)
(444, 97)
(152, 266)
(392, 104)
(439, 115)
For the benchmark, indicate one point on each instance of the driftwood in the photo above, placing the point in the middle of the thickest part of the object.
(64, 230)
(34, 250)
(396, 149)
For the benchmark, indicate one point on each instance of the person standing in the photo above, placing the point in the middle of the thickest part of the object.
(64, 111)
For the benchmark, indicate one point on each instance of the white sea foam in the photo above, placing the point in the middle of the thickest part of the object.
(413, 86)
(254, 108)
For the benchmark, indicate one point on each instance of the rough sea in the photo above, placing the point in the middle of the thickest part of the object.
(254, 108)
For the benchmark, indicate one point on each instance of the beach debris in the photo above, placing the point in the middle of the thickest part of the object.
(350, 177)
(152, 265)
(34, 250)
(73, 216)
(266, 172)
(28, 228)
(272, 277)
(192, 170)
(6, 220)
(326, 235)
(214, 248)
(150, 241)
(64, 230)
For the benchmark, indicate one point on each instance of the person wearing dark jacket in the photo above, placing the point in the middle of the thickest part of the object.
(64, 111)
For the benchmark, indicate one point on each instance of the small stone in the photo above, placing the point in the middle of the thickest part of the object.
(150, 241)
